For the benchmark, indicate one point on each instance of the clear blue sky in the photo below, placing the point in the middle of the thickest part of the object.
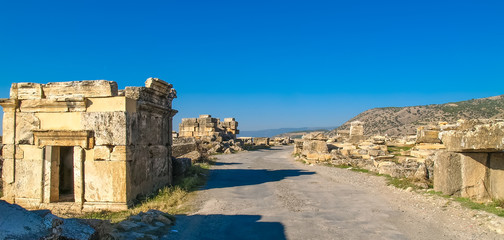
(269, 64)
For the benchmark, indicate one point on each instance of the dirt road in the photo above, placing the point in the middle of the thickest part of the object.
(267, 195)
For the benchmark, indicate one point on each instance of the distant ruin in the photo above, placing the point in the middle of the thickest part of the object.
(85, 145)
(207, 127)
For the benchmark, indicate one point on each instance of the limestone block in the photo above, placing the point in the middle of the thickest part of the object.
(28, 176)
(8, 174)
(427, 136)
(109, 127)
(78, 174)
(25, 124)
(65, 121)
(375, 153)
(23, 91)
(229, 119)
(389, 168)
(315, 136)
(261, 141)
(480, 138)
(43, 105)
(182, 146)
(497, 175)
(95, 88)
(122, 153)
(356, 128)
(8, 151)
(194, 156)
(105, 181)
(111, 104)
(189, 121)
(474, 171)
(447, 172)
(205, 116)
(315, 146)
(101, 153)
(29, 152)
(186, 134)
(158, 85)
(318, 156)
(8, 127)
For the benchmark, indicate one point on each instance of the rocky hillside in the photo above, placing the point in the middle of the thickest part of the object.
(396, 121)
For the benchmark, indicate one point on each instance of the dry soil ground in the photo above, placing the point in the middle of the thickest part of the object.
(267, 195)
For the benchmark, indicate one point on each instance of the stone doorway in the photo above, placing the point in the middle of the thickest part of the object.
(66, 174)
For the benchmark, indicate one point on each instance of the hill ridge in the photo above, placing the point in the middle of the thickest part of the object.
(395, 121)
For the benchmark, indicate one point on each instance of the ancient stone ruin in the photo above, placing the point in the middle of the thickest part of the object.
(353, 148)
(463, 159)
(85, 145)
(473, 163)
(207, 127)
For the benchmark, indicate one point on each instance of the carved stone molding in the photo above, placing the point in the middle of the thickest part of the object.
(83, 139)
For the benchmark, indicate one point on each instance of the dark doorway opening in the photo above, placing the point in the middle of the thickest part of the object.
(66, 175)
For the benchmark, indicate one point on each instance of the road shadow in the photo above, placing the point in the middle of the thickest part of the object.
(218, 226)
(224, 164)
(224, 178)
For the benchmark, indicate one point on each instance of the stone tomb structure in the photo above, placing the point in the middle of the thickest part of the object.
(207, 127)
(472, 165)
(86, 145)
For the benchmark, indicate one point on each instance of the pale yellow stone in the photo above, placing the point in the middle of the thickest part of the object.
(28, 187)
(8, 127)
(111, 104)
(105, 181)
(474, 170)
(95, 88)
(8, 174)
(102, 153)
(31, 152)
(12, 151)
(78, 174)
(26, 91)
(60, 121)
(64, 138)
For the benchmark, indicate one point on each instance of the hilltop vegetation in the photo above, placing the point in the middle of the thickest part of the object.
(395, 121)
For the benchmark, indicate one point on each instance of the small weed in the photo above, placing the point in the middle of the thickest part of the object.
(491, 207)
(362, 170)
(395, 149)
(494, 206)
(401, 183)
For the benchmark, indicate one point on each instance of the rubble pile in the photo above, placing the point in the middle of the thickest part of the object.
(461, 159)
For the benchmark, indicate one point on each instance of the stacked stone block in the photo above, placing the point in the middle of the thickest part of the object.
(208, 127)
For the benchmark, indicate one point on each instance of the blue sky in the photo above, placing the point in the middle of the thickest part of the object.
(269, 64)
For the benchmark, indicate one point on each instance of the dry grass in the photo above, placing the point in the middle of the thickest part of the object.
(171, 200)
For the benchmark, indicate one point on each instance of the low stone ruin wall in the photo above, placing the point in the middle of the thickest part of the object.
(463, 159)
(371, 154)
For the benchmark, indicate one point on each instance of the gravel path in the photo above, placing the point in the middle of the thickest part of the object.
(267, 195)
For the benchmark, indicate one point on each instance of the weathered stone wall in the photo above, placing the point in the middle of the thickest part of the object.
(371, 154)
(472, 164)
(265, 141)
(121, 141)
(356, 133)
(207, 127)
